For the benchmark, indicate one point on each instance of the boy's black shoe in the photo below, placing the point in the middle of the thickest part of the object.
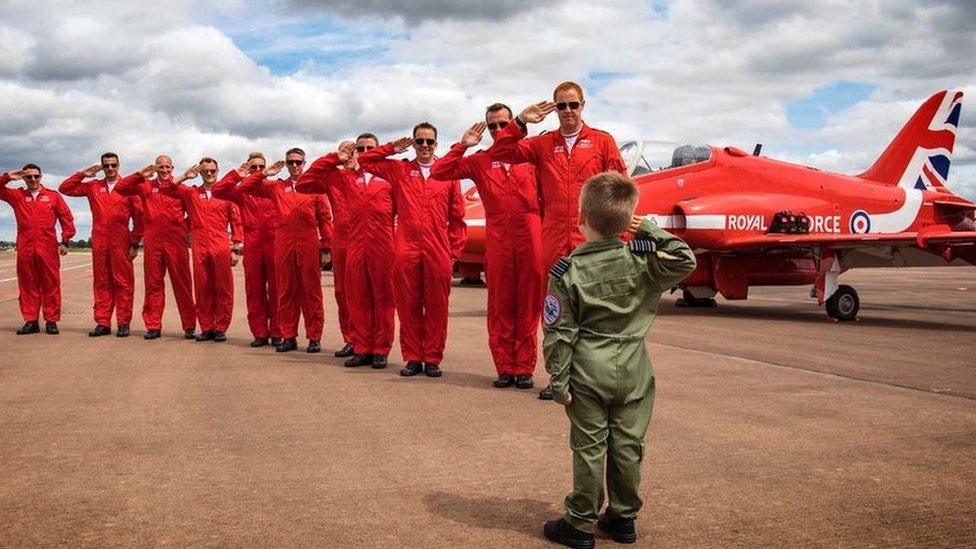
(51, 328)
(346, 351)
(122, 330)
(412, 368)
(563, 532)
(259, 342)
(359, 360)
(620, 529)
(152, 334)
(290, 344)
(99, 331)
(313, 346)
(432, 370)
(189, 334)
(31, 327)
(524, 381)
(205, 336)
(504, 381)
(546, 394)
(379, 362)
(219, 337)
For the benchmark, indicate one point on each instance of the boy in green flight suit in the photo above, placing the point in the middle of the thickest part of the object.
(601, 301)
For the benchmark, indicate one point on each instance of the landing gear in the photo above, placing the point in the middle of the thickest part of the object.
(844, 304)
(689, 300)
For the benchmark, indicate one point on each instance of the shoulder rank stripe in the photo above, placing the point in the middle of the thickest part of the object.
(642, 246)
(560, 267)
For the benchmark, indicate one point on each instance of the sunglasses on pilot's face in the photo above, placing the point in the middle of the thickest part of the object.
(497, 125)
(572, 105)
(422, 141)
(256, 167)
(294, 162)
(32, 178)
(108, 165)
(364, 148)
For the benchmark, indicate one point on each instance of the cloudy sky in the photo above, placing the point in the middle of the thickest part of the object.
(827, 83)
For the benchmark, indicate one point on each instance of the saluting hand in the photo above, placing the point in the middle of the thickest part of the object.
(567, 401)
(274, 168)
(347, 149)
(90, 171)
(402, 144)
(533, 114)
(243, 169)
(191, 172)
(147, 171)
(17, 175)
(474, 134)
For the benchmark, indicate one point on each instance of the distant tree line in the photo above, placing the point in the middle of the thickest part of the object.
(80, 243)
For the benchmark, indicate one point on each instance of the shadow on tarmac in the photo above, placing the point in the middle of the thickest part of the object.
(518, 515)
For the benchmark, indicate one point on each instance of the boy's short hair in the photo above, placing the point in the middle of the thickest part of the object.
(608, 200)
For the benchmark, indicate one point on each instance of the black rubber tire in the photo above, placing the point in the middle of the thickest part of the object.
(844, 304)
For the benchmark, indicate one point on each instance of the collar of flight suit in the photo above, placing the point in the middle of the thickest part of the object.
(595, 246)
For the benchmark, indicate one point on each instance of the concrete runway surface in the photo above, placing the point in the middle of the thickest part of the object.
(773, 427)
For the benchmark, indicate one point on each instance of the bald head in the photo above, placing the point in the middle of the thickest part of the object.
(164, 167)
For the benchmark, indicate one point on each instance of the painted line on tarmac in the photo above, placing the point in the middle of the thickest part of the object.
(73, 267)
(4, 297)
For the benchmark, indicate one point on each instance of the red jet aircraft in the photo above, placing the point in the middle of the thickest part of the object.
(755, 221)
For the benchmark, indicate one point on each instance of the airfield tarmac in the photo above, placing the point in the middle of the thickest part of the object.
(772, 427)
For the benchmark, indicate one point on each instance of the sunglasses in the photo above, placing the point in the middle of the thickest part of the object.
(208, 172)
(295, 162)
(257, 167)
(116, 165)
(32, 178)
(364, 148)
(572, 105)
(422, 141)
(497, 125)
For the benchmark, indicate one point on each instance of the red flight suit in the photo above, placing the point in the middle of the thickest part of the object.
(430, 232)
(164, 243)
(561, 175)
(213, 280)
(304, 229)
(114, 277)
(260, 282)
(38, 260)
(513, 253)
(369, 268)
(340, 247)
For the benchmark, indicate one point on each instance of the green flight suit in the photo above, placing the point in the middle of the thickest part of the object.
(601, 301)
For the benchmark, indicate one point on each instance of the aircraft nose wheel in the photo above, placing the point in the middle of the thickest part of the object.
(688, 300)
(844, 304)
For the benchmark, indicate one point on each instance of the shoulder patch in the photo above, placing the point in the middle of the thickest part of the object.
(551, 310)
(642, 246)
(559, 268)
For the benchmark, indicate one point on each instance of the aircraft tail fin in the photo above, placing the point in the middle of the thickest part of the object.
(919, 156)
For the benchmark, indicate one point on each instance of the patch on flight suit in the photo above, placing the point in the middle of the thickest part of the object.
(642, 246)
(559, 268)
(551, 310)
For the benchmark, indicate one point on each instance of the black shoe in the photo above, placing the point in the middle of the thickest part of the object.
(546, 394)
(189, 334)
(412, 368)
(290, 344)
(259, 342)
(524, 381)
(152, 334)
(219, 336)
(51, 328)
(379, 362)
(620, 529)
(359, 360)
(31, 327)
(313, 346)
(99, 331)
(275, 341)
(432, 370)
(205, 336)
(346, 351)
(504, 381)
(122, 330)
(563, 532)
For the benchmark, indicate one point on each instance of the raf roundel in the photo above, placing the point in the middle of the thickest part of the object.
(860, 222)
(551, 310)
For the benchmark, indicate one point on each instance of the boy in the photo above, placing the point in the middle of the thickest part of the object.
(601, 301)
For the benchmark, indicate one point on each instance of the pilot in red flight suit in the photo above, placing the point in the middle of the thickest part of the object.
(301, 248)
(563, 161)
(369, 270)
(114, 246)
(513, 244)
(166, 231)
(260, 283)
(210, 217)
(39, 252)
(430, 233)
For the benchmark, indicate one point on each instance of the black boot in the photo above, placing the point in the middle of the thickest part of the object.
(152, 334)
(290, 344)
(546, 394)
(620, 529)
(379, 362)
(432, 370)
(31, 327)
(504, 381)
(122, 330)
(206, 336)
(346, 351)
(313, 346)
(189, 333)
(412, 368)
(359, 360)
(51, 328)
(259, 342)
(524, 381)
(563, 532)
(99, 331)
(275, 341)
(219, 336)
